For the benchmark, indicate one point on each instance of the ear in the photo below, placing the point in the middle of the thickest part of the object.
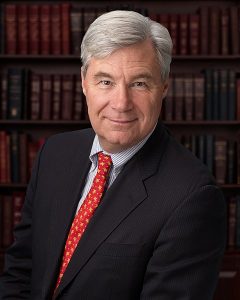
(83, 82)
(165, 88)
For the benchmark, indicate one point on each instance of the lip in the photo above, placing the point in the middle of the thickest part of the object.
(121, 121)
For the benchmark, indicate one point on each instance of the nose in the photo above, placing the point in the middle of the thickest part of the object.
(121, 99)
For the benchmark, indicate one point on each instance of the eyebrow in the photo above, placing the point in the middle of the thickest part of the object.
(137, 76)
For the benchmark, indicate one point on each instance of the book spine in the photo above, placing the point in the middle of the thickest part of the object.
(15, 93)
(225, 32)
(67, 97)
(4, 96)
(173, 27)
(34, 29)
(204, 30)
(231, 152)
(231, 95)
(223, 97)
(188, 97)
(11, 28)
(57, 92)
(45, 28)
(214, 29)
(3, 157)
(65, 9)
(238, 98)
(14, 140)
(234, 25)
(78, 99)
(183, 34)
(232, 212)
(208, 94)
(46, 97)
(237, 199)
(7, 208)
(76, 31)
(17, 199)
(179, 98)
(56, 29)
(194, 36)
(23, 157)
(22, 29)
(35, 96)
(220, 160)
(199, 96)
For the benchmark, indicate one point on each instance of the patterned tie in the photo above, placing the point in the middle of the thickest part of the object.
(86, 211)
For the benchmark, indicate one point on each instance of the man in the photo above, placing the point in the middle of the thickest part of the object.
(152, 226)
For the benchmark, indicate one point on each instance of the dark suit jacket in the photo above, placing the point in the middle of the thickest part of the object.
(159, 232)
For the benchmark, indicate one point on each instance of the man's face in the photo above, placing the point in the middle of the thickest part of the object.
(124, 95)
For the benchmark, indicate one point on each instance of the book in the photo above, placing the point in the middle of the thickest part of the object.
(238, 98)
(34, 29)
(179, 97)
(46, 99)
(199, 96)
(231, 95)
(220, 160)
(35, 96)
(204, 29)
(11, 29)
(7, 215)
(183, 37)
(194, 34)
(188, 97)
(4, 96)
(22, 29)
(78, 99)
(173, 29)
(76, 17)
(234, 25)
(45, 31)
(208, 91)
(14, 154)
(225, 30)
(67, 96)
(232, 220)
(23, 152)
(56, 29)
(57, 96)
(18, 200)
(66, 42)
(214, 39)
(3, 157)
(223, 94)
(15, 93)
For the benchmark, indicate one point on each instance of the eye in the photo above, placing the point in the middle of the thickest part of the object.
(105, 82)
(139, 84)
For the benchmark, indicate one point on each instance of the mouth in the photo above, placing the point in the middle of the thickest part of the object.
(120, 121)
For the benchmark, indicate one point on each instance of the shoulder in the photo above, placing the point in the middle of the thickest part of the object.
(68, 143)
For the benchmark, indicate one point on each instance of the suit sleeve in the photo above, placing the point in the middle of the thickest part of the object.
(187, 254)
(15, 281)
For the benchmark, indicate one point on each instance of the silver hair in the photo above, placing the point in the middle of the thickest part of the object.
(117, 29)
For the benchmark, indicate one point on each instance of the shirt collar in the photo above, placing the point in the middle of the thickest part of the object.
(120, 158)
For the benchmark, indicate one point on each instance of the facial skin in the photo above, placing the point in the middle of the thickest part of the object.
(124, 95)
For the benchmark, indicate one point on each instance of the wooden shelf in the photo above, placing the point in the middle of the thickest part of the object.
(77, 57)
(44, 122)
(86, 122)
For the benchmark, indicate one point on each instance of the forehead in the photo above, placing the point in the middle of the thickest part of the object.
(140, 57)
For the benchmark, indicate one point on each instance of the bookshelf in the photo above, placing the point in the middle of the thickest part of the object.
(63, 62)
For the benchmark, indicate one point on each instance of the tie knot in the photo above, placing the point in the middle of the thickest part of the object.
(104, 161)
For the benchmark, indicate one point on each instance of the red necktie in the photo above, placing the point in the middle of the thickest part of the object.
(86, 211)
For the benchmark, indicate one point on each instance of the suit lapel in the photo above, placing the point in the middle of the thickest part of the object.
(126, 193)
(64, 204)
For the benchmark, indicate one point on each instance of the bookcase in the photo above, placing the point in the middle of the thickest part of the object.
(41, 95)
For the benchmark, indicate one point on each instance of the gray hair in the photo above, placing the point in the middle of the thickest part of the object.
(117, 29)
